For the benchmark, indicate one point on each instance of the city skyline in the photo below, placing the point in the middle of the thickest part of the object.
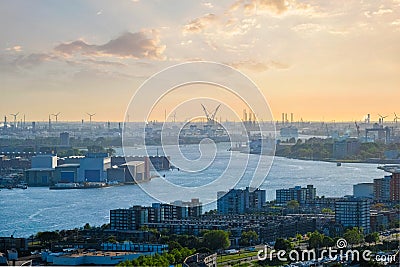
(321, 61)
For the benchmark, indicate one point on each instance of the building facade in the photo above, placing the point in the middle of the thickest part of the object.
(353, 212)
(298, 193)
(363, 190)
(240, 201)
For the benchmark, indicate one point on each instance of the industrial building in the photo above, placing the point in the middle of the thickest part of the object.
(42, 169)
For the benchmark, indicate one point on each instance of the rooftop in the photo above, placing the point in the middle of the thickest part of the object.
(67, 165)
(390, 168)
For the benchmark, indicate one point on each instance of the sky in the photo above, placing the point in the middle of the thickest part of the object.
(321, 60)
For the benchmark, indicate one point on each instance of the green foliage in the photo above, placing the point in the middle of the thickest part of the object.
(327, 211)
(48, 237)
(248, 238)
(316, 240)
(175, 256)
(328, 241)
(353, 236)
(283, 244)
(372, 237)
(216, 239)
(293, 205)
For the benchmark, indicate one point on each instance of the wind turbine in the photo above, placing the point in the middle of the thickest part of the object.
(90, 116)
(382, 117)
(395, 118)
(174, 117)
(15, 119)
(56, 115)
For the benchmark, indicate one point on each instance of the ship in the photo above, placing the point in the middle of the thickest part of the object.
(85, 185)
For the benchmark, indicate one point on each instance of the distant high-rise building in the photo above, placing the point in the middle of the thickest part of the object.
(345, 148)
(137, 216)
(363, 190)
(388, 188)
(64, 139)
(298, 193)
(240, 201)
(353, 212)
(382, 189)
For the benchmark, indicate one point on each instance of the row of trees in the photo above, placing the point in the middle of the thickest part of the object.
(318, 148)
(175, 256)
(318, 240)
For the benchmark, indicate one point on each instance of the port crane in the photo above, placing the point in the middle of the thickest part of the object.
(358, 129)
(210, 116)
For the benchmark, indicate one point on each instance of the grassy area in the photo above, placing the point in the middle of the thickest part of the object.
(238, 256)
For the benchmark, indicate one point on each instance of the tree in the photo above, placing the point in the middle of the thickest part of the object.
(216, 239)
(47, 237)
(111, 239)
(328, 241)
(283, 244)
(87, 226)
(372, 237)
(327, 211)
(353, 236)
(293, 205)
(299, 237)
(315, 240)
(248, 238)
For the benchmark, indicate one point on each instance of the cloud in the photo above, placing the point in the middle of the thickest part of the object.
(274, 6)
(16, 48)
(307, 28)
(138, 45)
(199, 24)
(382, 11)
(104, 63)
(258, 66)
(208, 5)
(32, 60)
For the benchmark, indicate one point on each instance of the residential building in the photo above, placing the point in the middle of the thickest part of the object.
(64, 139)
(382, 189)
(363, 190)
(240, 201)
(388, 188)
(137, 216)
(298, 193)
(353, 212)
(345, 148)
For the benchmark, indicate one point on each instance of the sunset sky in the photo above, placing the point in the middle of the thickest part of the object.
(321, 60)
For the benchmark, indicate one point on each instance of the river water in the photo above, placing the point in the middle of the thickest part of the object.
(39, 209)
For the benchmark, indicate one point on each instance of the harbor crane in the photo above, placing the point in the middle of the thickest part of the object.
(358, 129)
(210, 116)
